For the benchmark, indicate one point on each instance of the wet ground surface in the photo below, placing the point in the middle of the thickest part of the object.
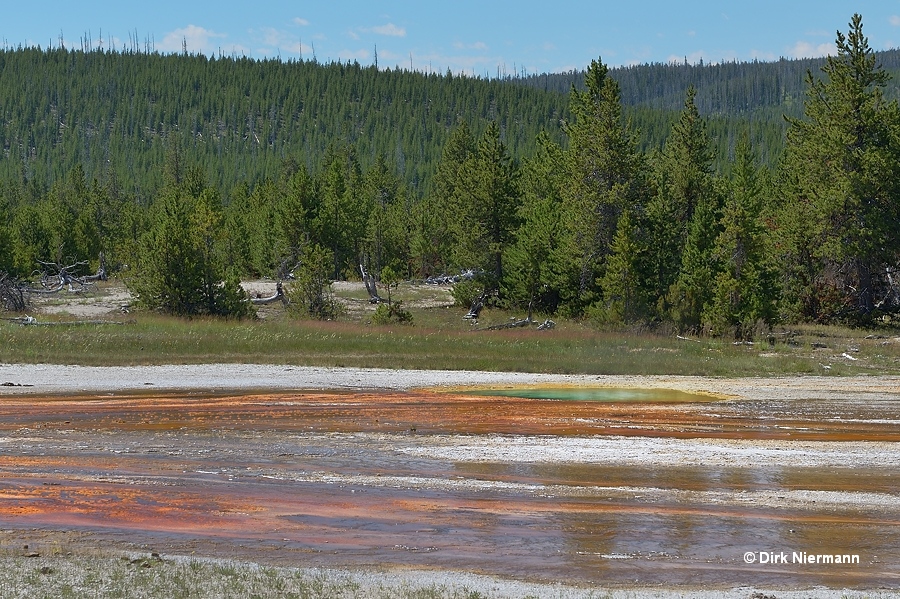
(574, 491)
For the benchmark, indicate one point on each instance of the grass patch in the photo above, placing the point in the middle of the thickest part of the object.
(439, 338)
(569, 348)
(126, 577)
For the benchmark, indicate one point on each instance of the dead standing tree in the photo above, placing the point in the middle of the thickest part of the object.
(369, 282)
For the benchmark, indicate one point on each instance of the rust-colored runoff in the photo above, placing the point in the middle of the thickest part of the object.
(346, 479)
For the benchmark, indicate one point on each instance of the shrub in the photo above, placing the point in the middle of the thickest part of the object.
(466, 292)
(310, 293)
(391, 313)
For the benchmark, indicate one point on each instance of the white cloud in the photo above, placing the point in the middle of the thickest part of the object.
(763, 56)
(360, 55)
(271, 36)
(804, 49)
(894, 20)
(480, 46)
(271, 41)
(478, 64)
(196, 39)
(389, 29)
(301, 21)
(692, 58)
(388, 56)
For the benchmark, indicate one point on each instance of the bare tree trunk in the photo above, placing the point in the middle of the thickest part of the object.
(865, 299)
(369, 282)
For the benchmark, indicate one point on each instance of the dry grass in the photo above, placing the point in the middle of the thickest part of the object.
(76, 576)
(439, 338)
(54, 569)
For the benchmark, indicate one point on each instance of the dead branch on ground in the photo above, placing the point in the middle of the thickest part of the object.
(279, 296)
(524, 322)
(54, 277)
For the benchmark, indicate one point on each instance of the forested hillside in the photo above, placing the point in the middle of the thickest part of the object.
(238, 119)
(731, 95)
(729, 88)
(718, 215)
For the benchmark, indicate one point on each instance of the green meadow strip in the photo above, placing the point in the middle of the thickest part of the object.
(569, 348)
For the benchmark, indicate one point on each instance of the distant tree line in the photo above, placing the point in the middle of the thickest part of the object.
(585, 218)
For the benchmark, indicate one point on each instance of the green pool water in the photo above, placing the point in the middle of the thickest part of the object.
(600, 394)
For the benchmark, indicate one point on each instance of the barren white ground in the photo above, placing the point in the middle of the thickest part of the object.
(54, 378)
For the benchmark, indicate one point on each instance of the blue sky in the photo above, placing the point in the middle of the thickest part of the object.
(476, 37)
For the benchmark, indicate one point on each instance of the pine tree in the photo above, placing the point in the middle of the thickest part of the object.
(219, 291)
(433, 241)
(6, 253)
(842, 183)
(745, 288)
(181, 269)
(386, 241)
(605, 170)
(31, 238)
(236, 230)
(296, 202)
(262, 237)
(77, 231)
(664, 243)
(624, 300)
(682, 218)
(487, 201)
(692, 292)
(538, 273)
(341, 218)
(687, 163)
(310, 292)
(168, 276)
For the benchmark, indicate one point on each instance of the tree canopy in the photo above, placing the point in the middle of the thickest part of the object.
(715, 221)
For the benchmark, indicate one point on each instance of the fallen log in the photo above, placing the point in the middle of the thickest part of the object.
(279, 296)
(516, 324)
(509, 325)
(23, 320)
(33, 322)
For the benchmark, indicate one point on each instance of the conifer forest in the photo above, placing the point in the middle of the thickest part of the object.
(718, 199)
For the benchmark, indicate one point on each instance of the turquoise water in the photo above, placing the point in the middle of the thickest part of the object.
(601, 394)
